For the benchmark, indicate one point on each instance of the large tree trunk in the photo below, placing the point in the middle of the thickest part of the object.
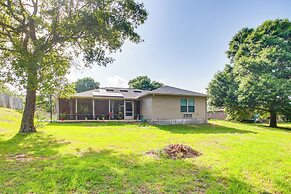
(27, 123)
(273, 119)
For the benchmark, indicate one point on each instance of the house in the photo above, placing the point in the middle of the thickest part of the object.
(217, 114)
(165, 105)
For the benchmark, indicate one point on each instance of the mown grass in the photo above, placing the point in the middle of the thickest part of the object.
(109, 157)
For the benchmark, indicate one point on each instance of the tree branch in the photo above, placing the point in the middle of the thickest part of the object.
(35, 3)
(7, 49)
(8, 26)
(12, 12)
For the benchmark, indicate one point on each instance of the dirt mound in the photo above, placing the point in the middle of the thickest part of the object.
(175, 151)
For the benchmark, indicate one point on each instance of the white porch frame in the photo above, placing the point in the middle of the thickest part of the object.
(132, 104)
(93, 108)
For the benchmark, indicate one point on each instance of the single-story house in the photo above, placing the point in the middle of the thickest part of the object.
(165, 105)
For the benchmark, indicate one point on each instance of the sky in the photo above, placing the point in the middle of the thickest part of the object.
(184, 41)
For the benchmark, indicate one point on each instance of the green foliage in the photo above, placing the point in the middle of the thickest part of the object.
(236, 114)
(237, 41)
(85, 84)
(223, 94)
(45, 101)
(109, 158)
(39, 40)
(67, 92)
(144, 83)
(260, 70)
(263, 66)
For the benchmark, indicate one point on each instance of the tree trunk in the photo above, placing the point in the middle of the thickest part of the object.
(27, 123)
(273, 119)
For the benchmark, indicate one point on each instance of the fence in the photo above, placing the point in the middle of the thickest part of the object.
(7, 101)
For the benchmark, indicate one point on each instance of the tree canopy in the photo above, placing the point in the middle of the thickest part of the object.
(144, 83)
(259, 74)
(85, 84)
(39, 40)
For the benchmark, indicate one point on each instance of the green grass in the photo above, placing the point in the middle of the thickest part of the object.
(91, 157)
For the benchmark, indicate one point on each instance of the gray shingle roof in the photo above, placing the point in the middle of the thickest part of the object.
(130, 93)
(169, 90)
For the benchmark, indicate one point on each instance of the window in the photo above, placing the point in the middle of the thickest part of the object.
(187, 105)
(191, 105)
(183, 104)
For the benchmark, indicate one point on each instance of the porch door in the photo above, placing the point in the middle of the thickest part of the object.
(128, 112)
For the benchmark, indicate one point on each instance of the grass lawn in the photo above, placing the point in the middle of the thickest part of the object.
(95, 157)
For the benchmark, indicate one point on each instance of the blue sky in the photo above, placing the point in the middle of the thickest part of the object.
(185, 41)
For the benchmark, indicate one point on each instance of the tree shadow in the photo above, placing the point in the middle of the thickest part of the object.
(202, 129)
(109, 172)
(182, 128)
(279, 128)
(104, 171)
(35, 144)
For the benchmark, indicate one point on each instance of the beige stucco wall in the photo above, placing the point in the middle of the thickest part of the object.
(146, 107)
(168, 108)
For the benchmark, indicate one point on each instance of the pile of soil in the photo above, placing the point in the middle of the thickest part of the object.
(175, 151)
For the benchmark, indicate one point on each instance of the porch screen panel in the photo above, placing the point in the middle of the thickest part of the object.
(101, 108)
(85, 109)
(64, 106)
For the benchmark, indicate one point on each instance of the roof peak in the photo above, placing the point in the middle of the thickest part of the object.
(166, 89)
(120, 88)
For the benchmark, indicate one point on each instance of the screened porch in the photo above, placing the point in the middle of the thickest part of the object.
(98, 109)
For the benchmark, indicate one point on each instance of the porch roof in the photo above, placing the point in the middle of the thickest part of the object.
(112, 92)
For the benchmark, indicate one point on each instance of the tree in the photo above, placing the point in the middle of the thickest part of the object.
(261, 62)
(223, 94)
(39, 40)
(85, 84)
(144, 83)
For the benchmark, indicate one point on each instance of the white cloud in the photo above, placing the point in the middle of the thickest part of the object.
(116, 81)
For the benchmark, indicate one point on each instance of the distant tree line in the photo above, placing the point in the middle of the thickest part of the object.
(140, 82)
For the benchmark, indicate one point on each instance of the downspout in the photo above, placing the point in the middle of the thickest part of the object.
(206, 119)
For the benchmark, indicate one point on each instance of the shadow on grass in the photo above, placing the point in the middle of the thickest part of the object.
(182, 129)
(103, 171)
(36, 144)
(107, 171)
(279, 128)
(201, 128)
